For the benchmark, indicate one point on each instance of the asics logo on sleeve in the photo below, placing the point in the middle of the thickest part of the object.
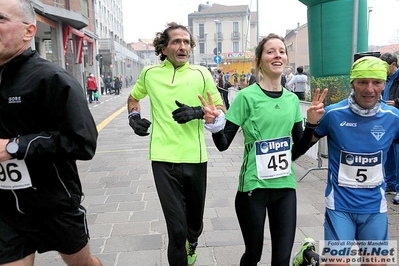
(348, 124)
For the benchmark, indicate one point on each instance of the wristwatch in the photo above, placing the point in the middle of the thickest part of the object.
(12, 147)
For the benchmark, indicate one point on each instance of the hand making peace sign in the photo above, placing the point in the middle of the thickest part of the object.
(316, 110)
(210, 110)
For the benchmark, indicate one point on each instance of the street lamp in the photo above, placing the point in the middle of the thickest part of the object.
(217, 38)
(257, 21)
(370, 9)
(296, 47)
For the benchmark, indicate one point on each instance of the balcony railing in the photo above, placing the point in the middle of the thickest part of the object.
(219, 36)
(235, 35)
(202, 37)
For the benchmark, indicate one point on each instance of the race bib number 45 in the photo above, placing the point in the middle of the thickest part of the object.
(273, 157)
(14, 175)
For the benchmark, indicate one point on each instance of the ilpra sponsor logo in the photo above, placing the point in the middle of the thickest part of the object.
(361, 160)
(273, 145)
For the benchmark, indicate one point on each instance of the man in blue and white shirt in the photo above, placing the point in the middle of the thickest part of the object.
(356, 206)
(360, 130)
(298, 83)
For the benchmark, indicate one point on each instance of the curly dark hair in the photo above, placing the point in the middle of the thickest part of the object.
(162, 39)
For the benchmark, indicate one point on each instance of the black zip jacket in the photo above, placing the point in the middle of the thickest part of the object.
(46, 108)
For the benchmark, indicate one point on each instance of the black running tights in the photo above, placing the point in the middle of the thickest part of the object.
(251, 208)
(181, 189)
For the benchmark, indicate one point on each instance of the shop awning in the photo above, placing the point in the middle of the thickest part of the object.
(79, 42)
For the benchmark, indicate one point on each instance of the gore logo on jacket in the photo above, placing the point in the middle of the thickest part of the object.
(14, 99)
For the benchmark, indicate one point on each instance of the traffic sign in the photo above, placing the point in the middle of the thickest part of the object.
(217, 59)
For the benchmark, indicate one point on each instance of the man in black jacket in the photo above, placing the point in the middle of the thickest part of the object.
(224, 91)
(45, 126)
(391, 97)
(252, 78)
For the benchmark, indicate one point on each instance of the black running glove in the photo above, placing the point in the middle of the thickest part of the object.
(139, 125)
(186, 113)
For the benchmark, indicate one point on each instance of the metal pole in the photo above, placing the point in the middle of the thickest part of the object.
(206, 50)
(217, 38)
(355, 27)
(296, 48)
(217, 42)
(368, 21)
(257, 22)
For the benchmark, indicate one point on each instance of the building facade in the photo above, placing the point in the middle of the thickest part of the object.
(59, 37)
(146, 50)
(298, 48)
(116, 57)
(67, 35)
(226, 37)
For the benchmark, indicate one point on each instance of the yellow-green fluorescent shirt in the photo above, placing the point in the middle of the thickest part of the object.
(170, 141)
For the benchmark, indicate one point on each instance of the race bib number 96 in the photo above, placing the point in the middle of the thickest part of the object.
(273, 157)
(14, 175)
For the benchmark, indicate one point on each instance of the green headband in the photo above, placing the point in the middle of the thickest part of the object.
(369, 67)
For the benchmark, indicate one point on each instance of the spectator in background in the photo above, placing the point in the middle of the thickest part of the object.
(102, 84)
(252, 78)
(224, 92)
(288, 75)
(391, 97)
(108, 85)
(117, 85)
(91, 86)
(215, 76)
(235, 78)
(227, 76)
(283, 80)
(298, 83)
(242, 79)
(121, 83)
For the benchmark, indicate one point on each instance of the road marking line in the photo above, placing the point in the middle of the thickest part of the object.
(109, 119)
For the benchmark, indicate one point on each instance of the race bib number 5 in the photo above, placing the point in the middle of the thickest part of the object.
(360, 170)
(273, 157)
(14, 175)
